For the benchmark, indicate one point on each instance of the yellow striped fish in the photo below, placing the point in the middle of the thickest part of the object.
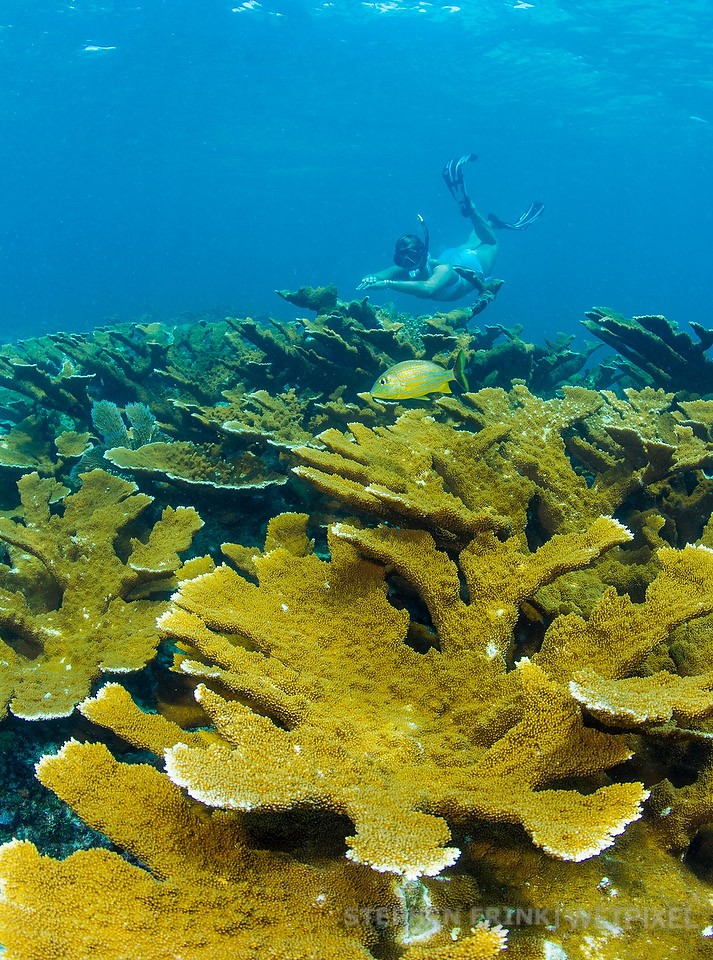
(417, 378)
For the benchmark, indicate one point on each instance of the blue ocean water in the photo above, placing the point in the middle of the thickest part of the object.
(160, 157)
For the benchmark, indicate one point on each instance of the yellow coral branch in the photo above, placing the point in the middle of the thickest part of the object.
(210, 893)
(644, 700)
(377, 724)
(620, 634)
(75, 611)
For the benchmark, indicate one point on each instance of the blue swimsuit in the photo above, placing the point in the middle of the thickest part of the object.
(459, 257)
(462, 257)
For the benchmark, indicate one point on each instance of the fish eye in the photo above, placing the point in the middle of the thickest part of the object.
(383, 380)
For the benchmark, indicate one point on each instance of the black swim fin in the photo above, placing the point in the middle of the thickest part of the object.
(533, 212)
(453, 175)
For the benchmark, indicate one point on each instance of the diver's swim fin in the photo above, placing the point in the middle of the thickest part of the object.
(533, 212)
(453, 175)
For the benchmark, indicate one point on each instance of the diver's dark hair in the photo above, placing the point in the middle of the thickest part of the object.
(410, 252)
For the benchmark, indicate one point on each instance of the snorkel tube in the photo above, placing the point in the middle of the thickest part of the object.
(424, 256)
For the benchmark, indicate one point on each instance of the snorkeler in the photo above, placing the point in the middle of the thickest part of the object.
(458, 271)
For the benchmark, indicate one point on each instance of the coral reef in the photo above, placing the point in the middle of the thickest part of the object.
(193, 465)
(281, 421)
(125, 364)
(109, 423)
(459, 706)
(197, 896)
(528, 455)
(656, 346)
(634, 901)
(420, 470)
(70, 606)
(63, 388)
(326, 632)
(501, 356)
(319, 299)
(27, 446)
(346, 347)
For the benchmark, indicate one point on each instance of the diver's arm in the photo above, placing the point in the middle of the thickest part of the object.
(424, 289)
(390, 273)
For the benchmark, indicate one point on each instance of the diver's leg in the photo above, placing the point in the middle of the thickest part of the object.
(453, 176)
(487, 254)
(482, 228)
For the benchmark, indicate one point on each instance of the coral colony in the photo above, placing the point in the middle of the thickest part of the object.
(348, 678)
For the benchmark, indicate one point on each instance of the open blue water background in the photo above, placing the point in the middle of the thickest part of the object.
(217, 151)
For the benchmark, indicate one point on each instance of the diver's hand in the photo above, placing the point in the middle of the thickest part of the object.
(371, 283)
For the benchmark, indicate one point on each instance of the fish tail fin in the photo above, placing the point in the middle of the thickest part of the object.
(459, 366)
